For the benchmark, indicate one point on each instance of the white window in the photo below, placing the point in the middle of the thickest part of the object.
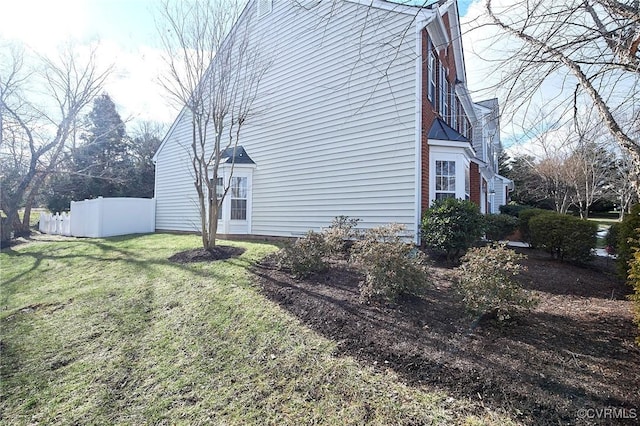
(444, 93)
(454, 111)
(238, 192)
(445, 96)
(219, 192)
(467, 183)
(431, 87)
(467, 128)
(445, 179)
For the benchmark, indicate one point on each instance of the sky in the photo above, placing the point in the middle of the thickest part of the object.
(127, 36)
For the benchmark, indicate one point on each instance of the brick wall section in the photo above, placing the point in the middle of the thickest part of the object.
(429, 110)
(474, 178)
(428, 116)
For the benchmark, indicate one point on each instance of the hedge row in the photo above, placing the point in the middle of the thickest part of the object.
(563, 236)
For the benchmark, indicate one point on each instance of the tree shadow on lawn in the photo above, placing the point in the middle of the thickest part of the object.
(110, 254)
(541, 368)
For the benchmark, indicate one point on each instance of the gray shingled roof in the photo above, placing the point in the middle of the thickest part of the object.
(241, 156)
(442, 131)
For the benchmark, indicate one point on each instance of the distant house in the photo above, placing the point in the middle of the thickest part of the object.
(364, 112)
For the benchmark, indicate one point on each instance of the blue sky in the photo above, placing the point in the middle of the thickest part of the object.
(463, 6)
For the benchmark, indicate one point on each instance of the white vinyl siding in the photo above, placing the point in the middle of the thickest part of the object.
(175, 194)
(336, 131)
(264, 7)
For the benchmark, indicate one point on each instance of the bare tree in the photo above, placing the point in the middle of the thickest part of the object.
(590, 165)
(589, 46)
(619, 186)
(557, 188)
(214, 72)
(39, 110)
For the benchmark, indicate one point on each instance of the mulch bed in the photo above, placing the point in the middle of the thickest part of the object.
(204, 255)
(574, 351)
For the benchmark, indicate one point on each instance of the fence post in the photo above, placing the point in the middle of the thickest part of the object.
(49, 220)
(68, 227)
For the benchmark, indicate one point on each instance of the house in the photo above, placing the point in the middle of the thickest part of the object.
(364, 112)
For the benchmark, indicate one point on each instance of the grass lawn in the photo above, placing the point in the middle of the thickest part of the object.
(107, 331)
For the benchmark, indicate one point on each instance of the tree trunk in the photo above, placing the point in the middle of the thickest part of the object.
(213, 220)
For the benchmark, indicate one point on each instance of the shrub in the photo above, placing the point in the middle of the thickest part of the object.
(487, 282)
(499, 226)
(523, 222)
(305, 256)
(634, 280)
(390, 265)
(338, 237)
(628, 232)
(513, 209)
(611, 239)
(563, 236)
(451, 226)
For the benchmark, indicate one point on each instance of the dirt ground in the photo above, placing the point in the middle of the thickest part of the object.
(204, 255)
(574, 351)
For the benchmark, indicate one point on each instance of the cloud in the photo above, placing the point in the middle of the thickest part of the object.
(43, 24)
(134, 84)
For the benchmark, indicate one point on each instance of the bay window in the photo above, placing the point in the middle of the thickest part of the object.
(238, 196)
(445, 179)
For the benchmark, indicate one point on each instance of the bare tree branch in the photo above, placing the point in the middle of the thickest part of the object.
(214, 72)
(70, 84)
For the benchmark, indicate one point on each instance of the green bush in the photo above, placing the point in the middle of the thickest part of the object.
(523, 222)
(513, 209)
(487, 282)
(451, 226)
(563, 236)
(305, 256)
(499, 226)
(390, 265)
(634, 280)
(611, 239)
(628, 232)
(340, 235)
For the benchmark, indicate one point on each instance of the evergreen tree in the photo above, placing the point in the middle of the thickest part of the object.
(102, 163)
(504, 164)
(100, 166)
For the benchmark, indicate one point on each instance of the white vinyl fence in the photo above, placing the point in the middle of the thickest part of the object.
(57, 224)
(103, 217)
